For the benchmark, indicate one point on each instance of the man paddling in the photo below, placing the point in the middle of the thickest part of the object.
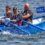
(16, 18)
(7, 15)
(27, 14)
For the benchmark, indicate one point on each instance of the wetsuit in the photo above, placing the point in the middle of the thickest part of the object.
(18, 19)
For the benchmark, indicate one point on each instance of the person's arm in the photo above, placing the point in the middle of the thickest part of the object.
(26, 16)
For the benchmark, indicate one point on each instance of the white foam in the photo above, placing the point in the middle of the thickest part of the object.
(37, 21)
(6, 32)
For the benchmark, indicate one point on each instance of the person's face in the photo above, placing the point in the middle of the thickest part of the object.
(15, 11)
(26, 8)
(8, 10)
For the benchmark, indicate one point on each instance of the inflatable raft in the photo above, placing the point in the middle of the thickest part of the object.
(27, 29)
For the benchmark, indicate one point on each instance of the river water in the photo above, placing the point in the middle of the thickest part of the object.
(7, 38)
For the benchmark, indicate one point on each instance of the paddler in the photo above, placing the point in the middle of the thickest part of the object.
(27, 14)
(16, 18)
(7, 15)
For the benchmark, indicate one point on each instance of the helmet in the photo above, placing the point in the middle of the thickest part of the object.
(26, 6)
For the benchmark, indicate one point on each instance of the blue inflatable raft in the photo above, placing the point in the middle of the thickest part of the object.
(27, 29)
